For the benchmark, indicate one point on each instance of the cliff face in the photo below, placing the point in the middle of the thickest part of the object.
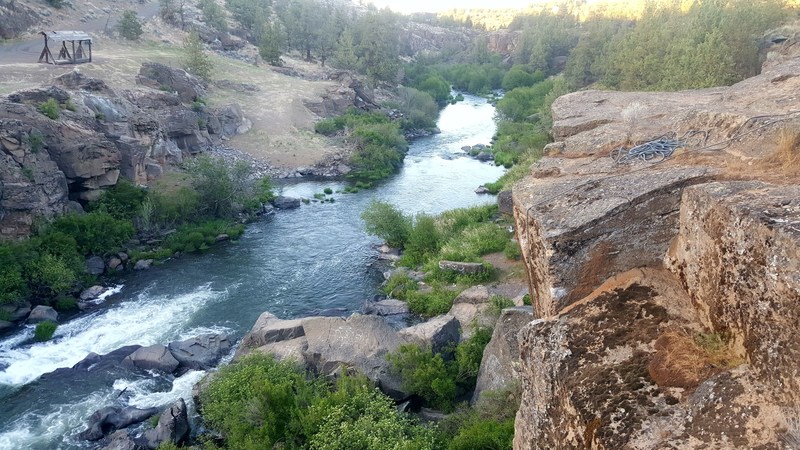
(97, 136)
(666, 296)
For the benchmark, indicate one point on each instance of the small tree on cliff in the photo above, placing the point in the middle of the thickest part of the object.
(195, 60)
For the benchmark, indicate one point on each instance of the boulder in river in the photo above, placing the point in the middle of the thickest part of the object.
(282, 202)
(92, 292)
(143, 264)
(18, 312)
(200, 352)
(173, 426)
(154, 357)
(43, 313)
(109, 419)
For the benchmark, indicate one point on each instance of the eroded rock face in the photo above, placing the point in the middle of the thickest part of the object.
(98, 136)
(159, 76)
(738, 255)
(575, 231)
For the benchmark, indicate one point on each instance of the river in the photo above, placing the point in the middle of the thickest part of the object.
(293, 264)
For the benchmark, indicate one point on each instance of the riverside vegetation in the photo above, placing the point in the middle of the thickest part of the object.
(50, 267)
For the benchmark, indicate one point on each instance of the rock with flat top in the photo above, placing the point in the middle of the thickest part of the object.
(200, 352)
(440, 333)
(41, 313)
(154, 357)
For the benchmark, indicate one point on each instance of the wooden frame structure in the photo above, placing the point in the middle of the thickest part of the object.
(75, 53)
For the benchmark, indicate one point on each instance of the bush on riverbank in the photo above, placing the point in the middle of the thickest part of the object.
(51, 263)
(379, 146)
(260, 402)
(440, 378)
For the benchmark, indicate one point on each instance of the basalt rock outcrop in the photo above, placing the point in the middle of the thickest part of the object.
(665, 296)
(96, 136)
(329, 345)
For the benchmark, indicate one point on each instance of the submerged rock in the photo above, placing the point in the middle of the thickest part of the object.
(282, 202)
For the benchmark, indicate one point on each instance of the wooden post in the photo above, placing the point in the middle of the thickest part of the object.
(73, 53)
(90, 51)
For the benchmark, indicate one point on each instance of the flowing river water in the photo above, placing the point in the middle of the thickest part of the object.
(293, 264)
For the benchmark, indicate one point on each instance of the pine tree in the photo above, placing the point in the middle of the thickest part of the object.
(270, 45)
(129, 26)
(195, 61)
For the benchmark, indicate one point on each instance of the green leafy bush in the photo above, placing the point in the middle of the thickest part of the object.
(36, 141)
(50, 108)
(474, 241)
(423, 241)
(512, 250)
(95, 233)
(66, 304)
(484, 435)
(387, 222)
(44, 331)
(121, 201)
(518, 76)
(432, 302)
(425, 374)
(258, 402)
(398, 286)
(469, 355)
(523, 102)
(50, 275)
(12, 284)
(368, 420)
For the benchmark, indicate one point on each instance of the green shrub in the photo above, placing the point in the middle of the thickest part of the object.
(36, 141)
(469, 355)
(69, 105)
(430, 303)
(44, 331)
(399, 285)
(66, 304)
(195, 60)
(328, 191)
(433, 274)
(454, 221)
(477, 240)
(129, 26)
(423, 241)
(518, 76)
(387, 222)
(425, 374)
(95, 233)
(258, 402)
(50, 108)
(512, 250)
(484, 435)
(489, 424)
(12, 284)
(523, 102)
(50, 275)
(368, 420)
(497, 303)
(198, 236)
(121, 201)
(327, 127)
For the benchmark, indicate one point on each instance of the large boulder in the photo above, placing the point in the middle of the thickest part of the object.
(282, 202)
(109, 419)
(16, 312)
(470, 309)
(159, 76)
(200, 352)
(500, 365)
(121, 440)
(269, 329)
(440, 333)
(41, 313)
(289, 350)
(359, 342)
(173, 426)
(154, 357)
(95, 265)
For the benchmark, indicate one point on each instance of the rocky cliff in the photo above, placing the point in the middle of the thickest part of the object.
(92, 135)
(666, 294)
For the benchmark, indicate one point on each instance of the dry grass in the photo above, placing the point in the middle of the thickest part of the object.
(787, 154)
(682, 360)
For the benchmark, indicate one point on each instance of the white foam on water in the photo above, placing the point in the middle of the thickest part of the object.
(181, 388)
(39, 431)
(145, 320)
